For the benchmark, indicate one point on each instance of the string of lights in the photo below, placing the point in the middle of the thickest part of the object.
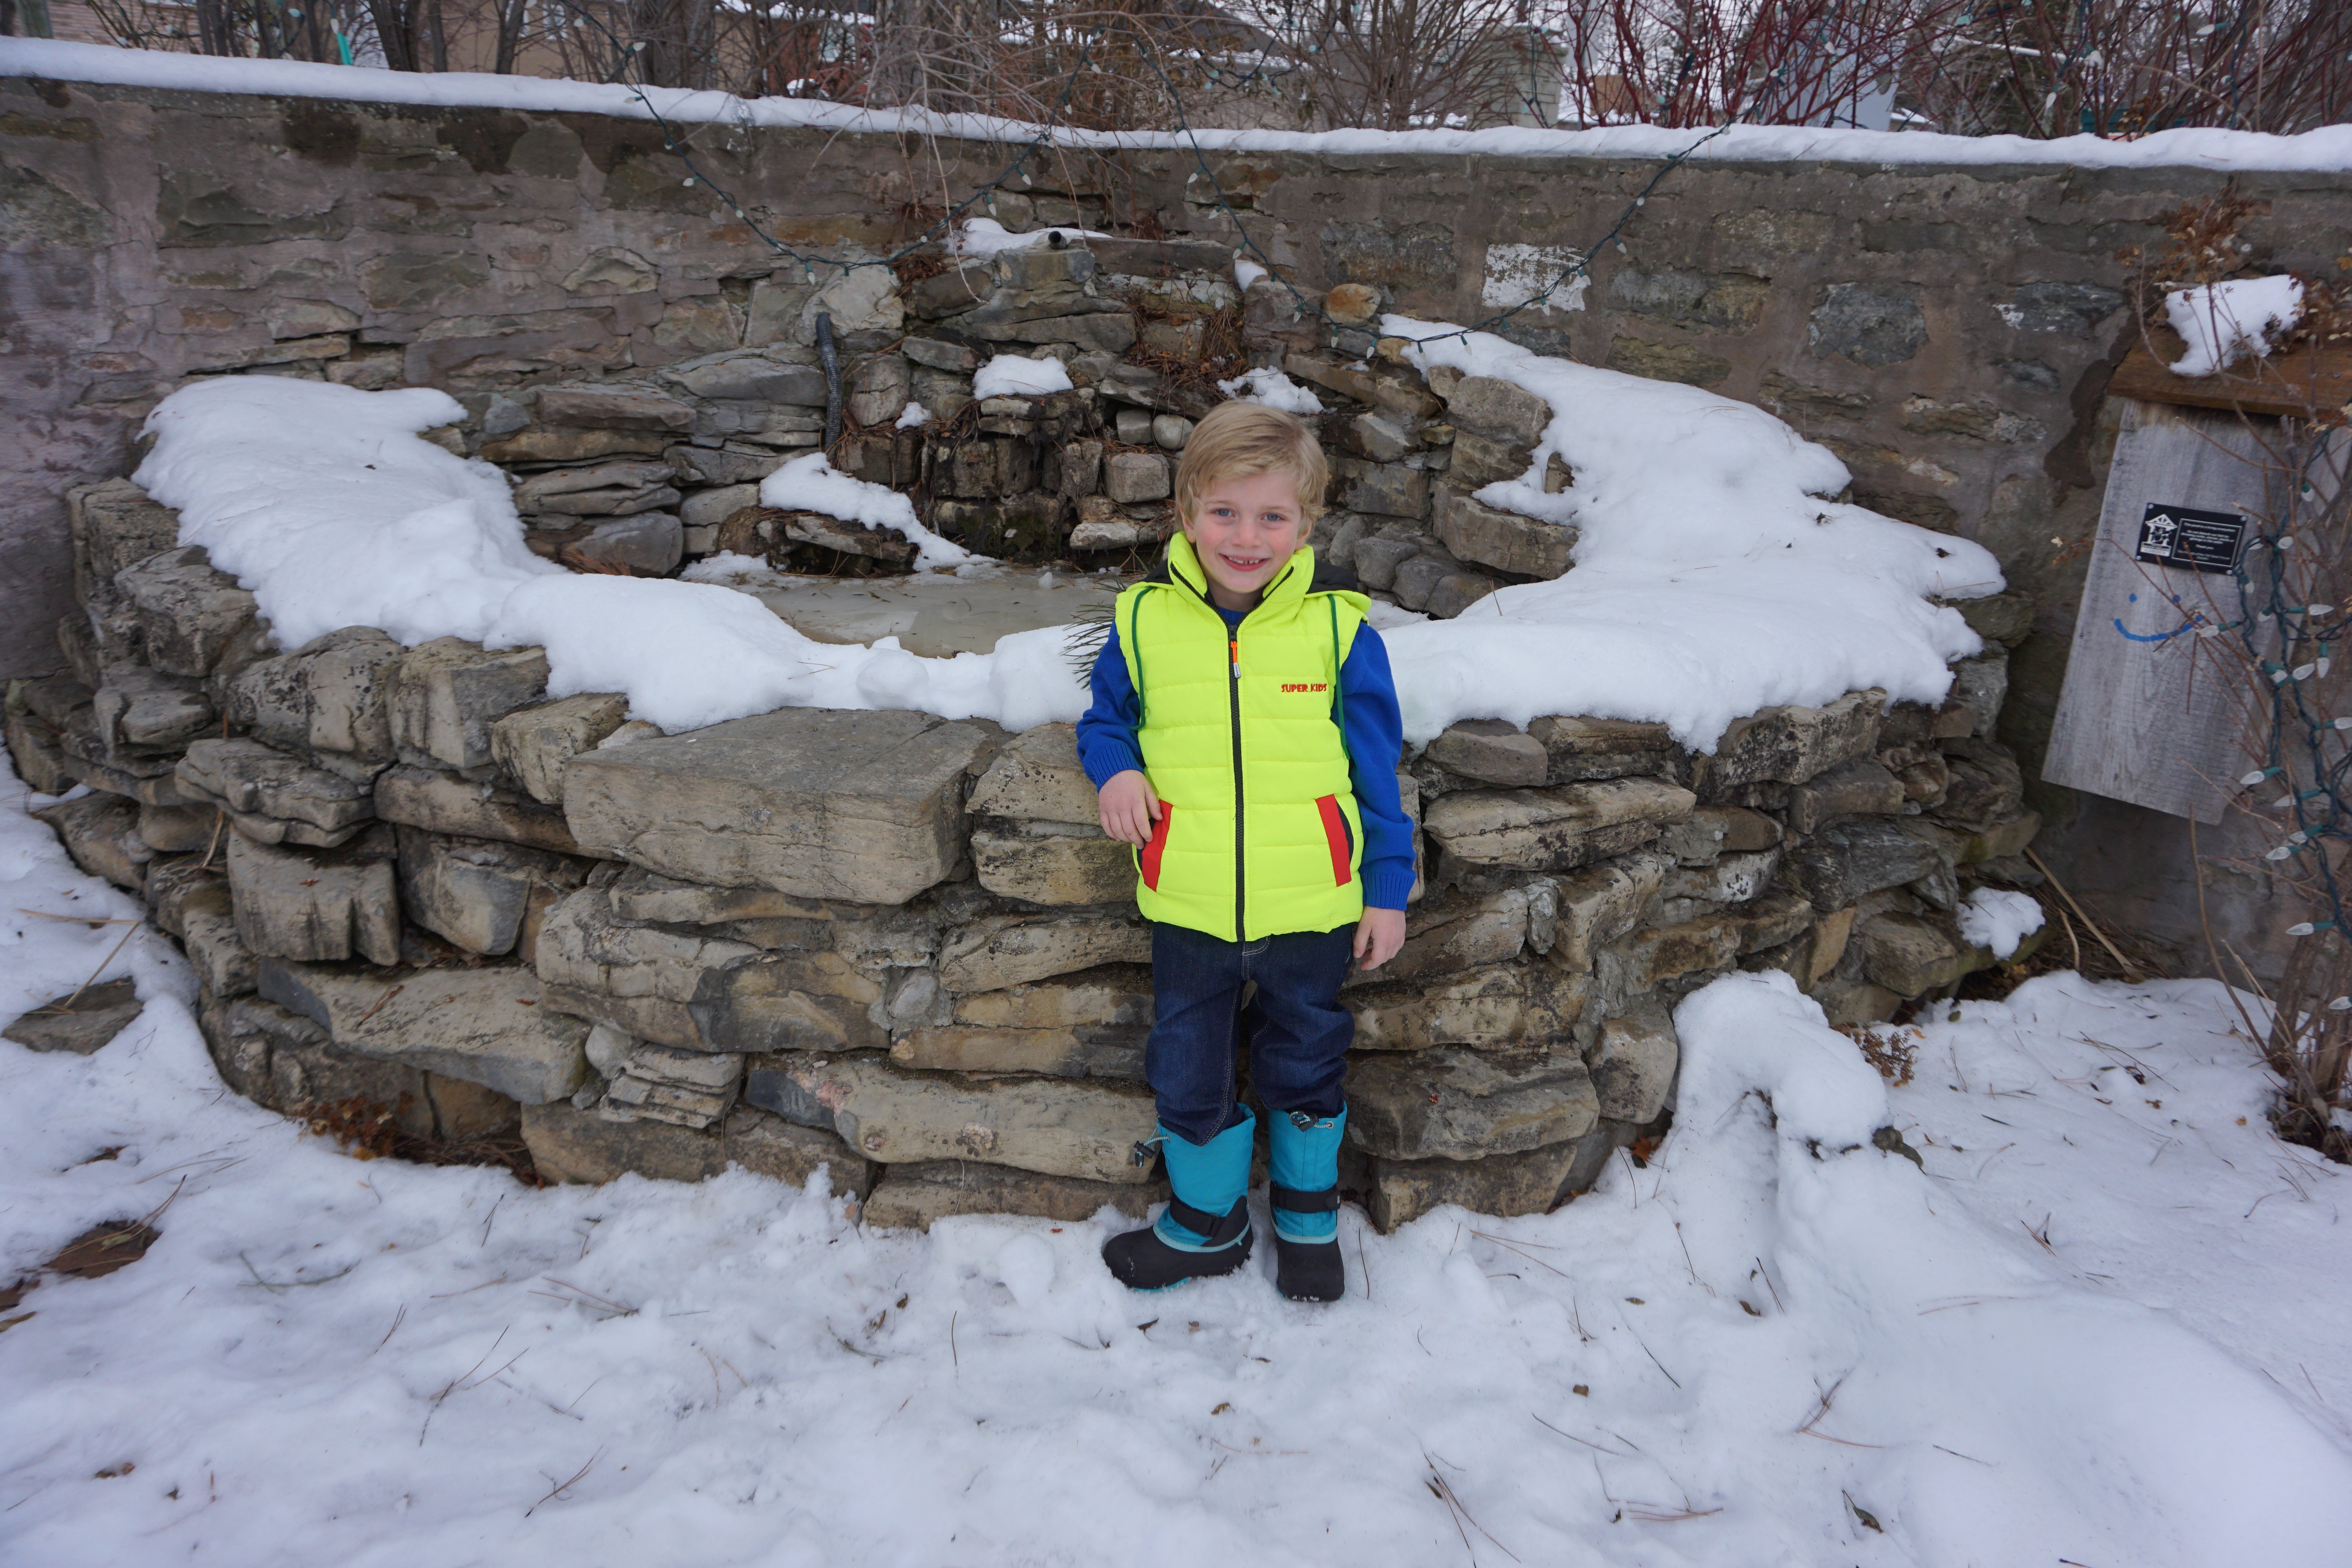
(2289, 639)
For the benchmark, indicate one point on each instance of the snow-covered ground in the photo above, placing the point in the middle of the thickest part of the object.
(2327, 149)
(2105, 1325)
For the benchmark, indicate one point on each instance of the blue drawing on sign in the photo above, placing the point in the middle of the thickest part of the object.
(2190, 624)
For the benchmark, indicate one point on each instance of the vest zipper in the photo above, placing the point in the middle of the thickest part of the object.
(1233, 694)
(1234, 707)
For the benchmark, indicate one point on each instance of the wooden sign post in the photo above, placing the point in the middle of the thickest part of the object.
(2141, 718)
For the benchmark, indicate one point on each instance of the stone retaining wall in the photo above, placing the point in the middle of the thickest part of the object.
(885, 943)
(898, 946)
(1947, 330)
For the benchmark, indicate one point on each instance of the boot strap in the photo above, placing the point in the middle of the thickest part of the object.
(1291, 1198)
(1215, 1230)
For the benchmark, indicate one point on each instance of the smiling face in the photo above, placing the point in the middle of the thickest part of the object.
(1243, 529)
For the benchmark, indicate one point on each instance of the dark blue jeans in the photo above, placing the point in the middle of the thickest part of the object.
(1298, 1034)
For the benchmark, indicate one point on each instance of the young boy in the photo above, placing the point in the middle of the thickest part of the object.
(1245, 736)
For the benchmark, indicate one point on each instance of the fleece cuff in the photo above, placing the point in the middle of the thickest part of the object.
(1106, 756)
(1387, 885)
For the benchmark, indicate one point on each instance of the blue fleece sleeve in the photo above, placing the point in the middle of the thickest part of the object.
(1374, 732)
(1106, 735)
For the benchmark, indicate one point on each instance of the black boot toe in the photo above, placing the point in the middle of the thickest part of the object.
(1309, 1271)
(1142, 1261)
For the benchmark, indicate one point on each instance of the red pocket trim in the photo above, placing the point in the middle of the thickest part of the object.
(1335, 830)
(1151, 851)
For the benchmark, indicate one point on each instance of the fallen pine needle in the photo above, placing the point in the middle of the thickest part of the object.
(556, 1492)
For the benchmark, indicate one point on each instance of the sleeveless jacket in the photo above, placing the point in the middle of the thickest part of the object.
(1241, 743)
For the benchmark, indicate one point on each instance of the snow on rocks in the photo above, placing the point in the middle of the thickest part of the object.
(2223, 323)
(320, 500)
(1015, 375)
(1271, 387)
(323, 501)
(1712, 578)
(1710, 581)
(1998, 920)
(810, 483)
(984, 237)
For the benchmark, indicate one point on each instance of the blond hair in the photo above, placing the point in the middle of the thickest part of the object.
(1237, 441)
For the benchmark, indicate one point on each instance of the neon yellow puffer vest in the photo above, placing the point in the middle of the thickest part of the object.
(1241, 743)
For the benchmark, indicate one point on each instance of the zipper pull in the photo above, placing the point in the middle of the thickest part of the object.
(1234, 644)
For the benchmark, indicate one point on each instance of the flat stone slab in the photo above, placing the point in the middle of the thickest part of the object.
(1862, 855)
(1505, 1006)
(1555, 829)
(1058, 1127)
(932, 615)
(639, 895)
(1911, 956)
(1491, 752)
(1054, 863)
(40, 760)
(478, 893)
(327, 698)
(1502, 1184)
(77, 1023)
(101, 832)
(485, 1026)
(318, 905)
(1036, 778)
(700, 993)
(819, 803)
(1466, 1105)
(911, 1197)
(445, 695)
(188, 613)
(286, 1062)
(224, 964)
(999, 951)
(1091, 1024)
(253, 781)
(444, 803)
(1792, 744)
(145, 710)
(1454, 932)
(533, 744)
(571, 1145)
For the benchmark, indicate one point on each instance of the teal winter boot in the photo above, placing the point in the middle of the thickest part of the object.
(1305, 1193)
(1205, 1230)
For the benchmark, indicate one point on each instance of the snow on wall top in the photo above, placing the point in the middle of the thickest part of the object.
(1711, 579)
(2327, 150)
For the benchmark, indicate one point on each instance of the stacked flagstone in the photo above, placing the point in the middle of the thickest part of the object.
(897, 946)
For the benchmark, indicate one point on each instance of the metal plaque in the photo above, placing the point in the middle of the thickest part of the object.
(2184, 536)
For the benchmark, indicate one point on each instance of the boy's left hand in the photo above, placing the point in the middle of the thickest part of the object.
(1377, 936)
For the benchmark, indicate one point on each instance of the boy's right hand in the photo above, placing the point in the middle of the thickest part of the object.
(1129, 807)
